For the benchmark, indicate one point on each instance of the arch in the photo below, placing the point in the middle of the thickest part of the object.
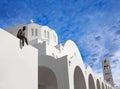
(46, 78)
(103, 86)
(79, 79)
(71, 49)
(91, 82)
(98, 84)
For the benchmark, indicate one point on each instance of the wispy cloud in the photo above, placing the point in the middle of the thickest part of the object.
(100, 44)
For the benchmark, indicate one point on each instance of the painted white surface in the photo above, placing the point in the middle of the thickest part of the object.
(18, 67)
(62, 61)
(35, 31)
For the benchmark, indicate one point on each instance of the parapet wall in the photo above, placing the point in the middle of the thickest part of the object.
(18, 67)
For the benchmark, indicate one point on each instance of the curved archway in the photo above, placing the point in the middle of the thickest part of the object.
(91, 82)
(46, 78)
(79, 80)
(98, 84)
(103, 86)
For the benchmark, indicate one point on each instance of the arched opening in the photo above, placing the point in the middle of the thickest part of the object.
(46, 78)
(79, 80)
(103, 86)
(91, 82)
(98, 84)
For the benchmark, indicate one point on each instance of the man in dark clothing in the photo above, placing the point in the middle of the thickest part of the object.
(21, 36)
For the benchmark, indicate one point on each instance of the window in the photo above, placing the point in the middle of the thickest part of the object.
(105, 61)
(36, 31)
(106, 67)
(32, 31)
(69, 62)
(45, 33)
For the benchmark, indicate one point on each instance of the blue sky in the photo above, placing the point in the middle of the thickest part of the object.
(94, 25)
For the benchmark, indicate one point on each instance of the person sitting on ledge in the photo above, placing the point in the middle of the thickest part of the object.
(21, 36)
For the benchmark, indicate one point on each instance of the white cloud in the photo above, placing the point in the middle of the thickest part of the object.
(100, 44)
(115, 63)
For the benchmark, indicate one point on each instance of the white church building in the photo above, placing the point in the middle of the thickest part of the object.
(43, 64)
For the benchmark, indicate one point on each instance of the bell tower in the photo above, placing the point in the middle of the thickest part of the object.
(107, 71)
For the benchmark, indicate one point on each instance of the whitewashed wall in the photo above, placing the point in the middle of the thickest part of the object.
(18, 67)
